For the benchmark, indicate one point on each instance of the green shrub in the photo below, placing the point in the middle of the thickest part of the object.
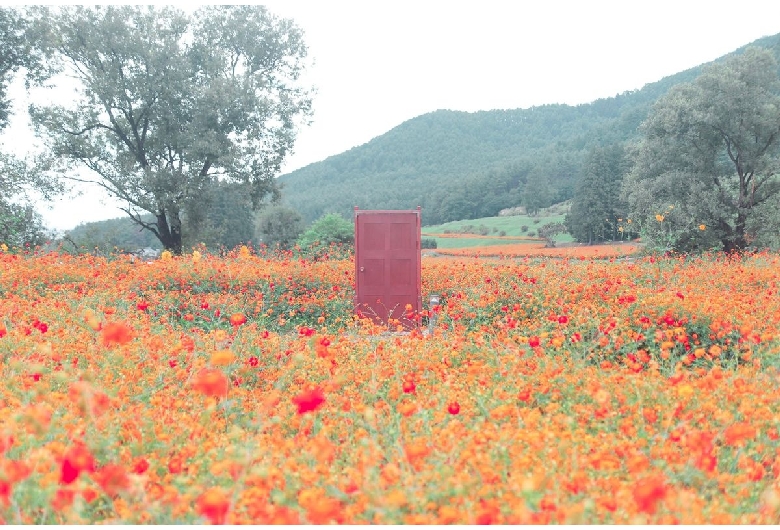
(330, 228)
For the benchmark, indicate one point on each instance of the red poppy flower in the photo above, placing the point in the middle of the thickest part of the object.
(140, 466)
(112, 479)
(214, 505)
(309, 400)
(76, 460)
(5, 493)
(647, 492)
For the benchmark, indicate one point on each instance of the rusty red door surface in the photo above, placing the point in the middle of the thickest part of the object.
(387, 265)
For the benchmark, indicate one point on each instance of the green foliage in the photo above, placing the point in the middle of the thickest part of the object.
(597, 211)
(170, 102)
(222, 218)
(17, 38)
(428, 242)
(709, 156)
(330, 228)
(112, 235)
(279, 226)
(12, 55)
(549, 231)
(537, 192)
(20, 226)
(763, 224)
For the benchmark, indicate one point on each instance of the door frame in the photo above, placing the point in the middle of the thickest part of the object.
(417, 303)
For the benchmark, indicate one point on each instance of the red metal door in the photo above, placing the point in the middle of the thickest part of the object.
(387, 265)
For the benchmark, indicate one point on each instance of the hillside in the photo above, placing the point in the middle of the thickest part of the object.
(460, 165)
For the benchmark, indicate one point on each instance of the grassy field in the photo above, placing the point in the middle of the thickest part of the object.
(465, 241)
(496, 226)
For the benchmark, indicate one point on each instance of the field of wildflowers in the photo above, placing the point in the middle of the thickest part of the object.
(240, 389)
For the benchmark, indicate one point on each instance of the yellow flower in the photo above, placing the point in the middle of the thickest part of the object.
(685, 390)
(702, 227)
(244, 251)
(222, 357)
(166, 255)
(659, 217)
(628, 221)
(4, 247)
(195, 256)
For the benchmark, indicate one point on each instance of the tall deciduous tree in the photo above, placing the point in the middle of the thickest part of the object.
(709, 155)
(20, 224)
(168, 103)
(14, 54)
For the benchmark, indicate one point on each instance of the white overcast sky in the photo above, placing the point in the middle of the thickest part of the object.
(379, 63)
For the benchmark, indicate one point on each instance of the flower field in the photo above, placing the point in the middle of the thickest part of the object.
(240, 389)
(538, 250)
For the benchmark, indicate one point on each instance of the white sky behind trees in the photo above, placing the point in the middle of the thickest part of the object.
(379, 63)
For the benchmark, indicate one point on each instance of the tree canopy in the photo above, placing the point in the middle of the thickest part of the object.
(15, 53)
(278, 226)
(168, 103)
(20, 224)
(597, 213)
(709, 156)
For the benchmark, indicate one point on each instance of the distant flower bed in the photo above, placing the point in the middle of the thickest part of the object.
(536, 250)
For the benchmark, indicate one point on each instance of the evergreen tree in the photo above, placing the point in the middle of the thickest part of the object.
(597, 210)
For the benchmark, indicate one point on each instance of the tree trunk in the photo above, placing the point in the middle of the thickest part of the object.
(735, 240)
(740, 241)
(169, 230)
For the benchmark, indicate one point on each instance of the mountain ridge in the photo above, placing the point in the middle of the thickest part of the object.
(447, 157)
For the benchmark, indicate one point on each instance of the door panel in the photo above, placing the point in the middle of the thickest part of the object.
(387, 264)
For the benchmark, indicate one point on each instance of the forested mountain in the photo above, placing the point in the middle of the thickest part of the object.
(461, 165)
(112, 234)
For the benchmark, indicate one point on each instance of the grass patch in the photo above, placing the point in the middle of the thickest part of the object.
(469, 242)
(522, 226)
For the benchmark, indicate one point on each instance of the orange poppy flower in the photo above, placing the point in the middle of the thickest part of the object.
(237, 319)
(116, 333)
(211, 382)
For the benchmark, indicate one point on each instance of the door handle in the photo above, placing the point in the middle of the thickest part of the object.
(362, 269)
